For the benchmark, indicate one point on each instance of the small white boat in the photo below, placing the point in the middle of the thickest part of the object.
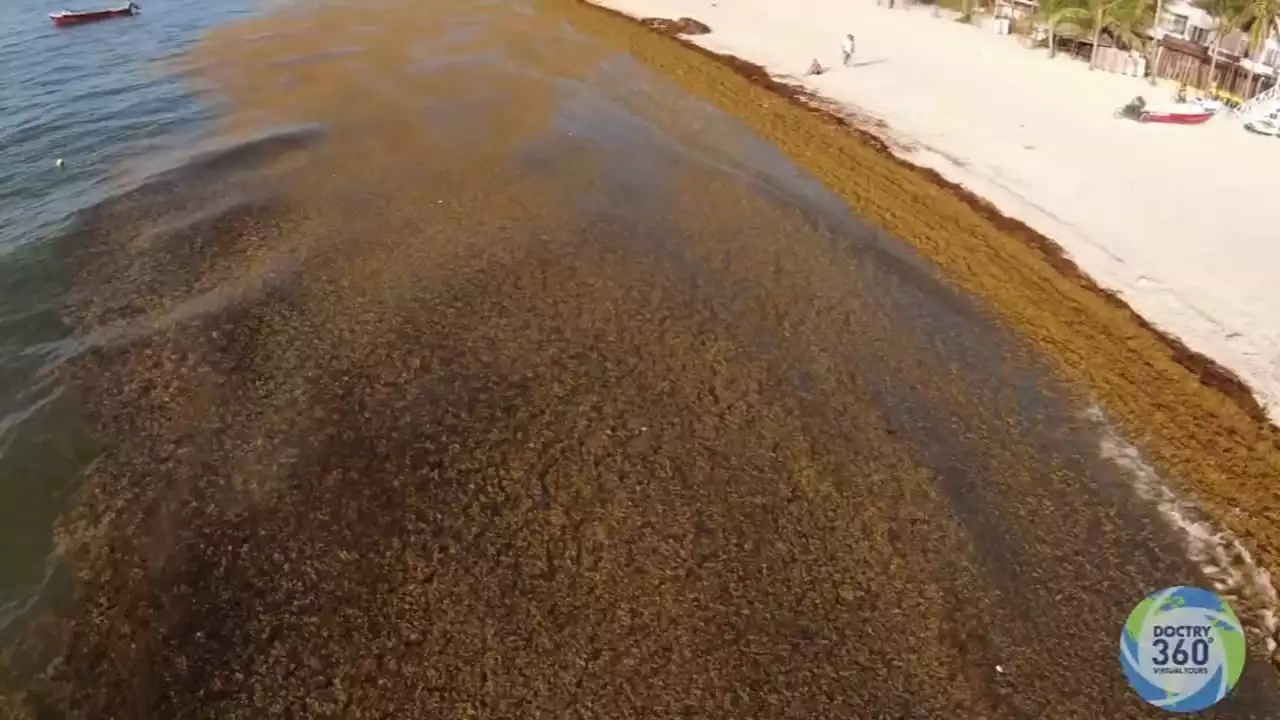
(1269, 125)
(1210, 104)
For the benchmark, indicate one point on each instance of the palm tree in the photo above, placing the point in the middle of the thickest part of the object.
(1231, 15)
(1049, 12)
(1260, 17)
(1153, 50)
(1125, 19)
(1263, 13)
(1129, 22)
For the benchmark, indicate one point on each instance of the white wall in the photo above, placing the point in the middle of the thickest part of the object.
(1196, 18)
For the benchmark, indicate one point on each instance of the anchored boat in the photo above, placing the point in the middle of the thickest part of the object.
(67, 18)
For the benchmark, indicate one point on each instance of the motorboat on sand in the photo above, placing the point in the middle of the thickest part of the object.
(1178, 113)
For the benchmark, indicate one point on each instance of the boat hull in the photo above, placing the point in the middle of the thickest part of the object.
(1174, 118)
(1263, 127)
(67, 19)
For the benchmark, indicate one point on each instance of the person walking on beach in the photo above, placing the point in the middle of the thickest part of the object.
(846, 49)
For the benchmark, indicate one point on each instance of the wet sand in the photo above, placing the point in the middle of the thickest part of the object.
(511, 382)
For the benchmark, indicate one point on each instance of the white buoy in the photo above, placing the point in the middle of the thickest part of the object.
(61, 163)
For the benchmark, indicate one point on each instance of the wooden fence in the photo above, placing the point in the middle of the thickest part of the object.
(1187, 62)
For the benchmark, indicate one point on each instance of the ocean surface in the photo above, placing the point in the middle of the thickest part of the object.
(93, 95)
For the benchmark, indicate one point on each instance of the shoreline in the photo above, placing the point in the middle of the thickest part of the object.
(1165, 217)
(1195, 420)
(1212, 373)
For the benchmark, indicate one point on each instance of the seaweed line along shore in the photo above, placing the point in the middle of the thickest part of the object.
(1202, 427)
(1194, 419)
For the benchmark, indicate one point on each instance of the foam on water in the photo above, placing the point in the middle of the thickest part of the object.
(1219, 554)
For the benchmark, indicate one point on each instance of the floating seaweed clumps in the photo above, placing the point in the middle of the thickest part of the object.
(683, 26)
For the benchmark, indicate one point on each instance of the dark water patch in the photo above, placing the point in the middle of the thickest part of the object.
(192, 235)
(169, 169)
(463, 34)
(45, 448)
(171, 216)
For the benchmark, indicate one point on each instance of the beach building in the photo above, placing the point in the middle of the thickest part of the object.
(1185, 21)
(1188, 49)
(1015, 9)
(1191, 52)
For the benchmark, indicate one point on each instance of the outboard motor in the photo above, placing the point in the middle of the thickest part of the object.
(1134, 109)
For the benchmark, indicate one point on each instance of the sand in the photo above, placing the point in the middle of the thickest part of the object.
(1173, 219)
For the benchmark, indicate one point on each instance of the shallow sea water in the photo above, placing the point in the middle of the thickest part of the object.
(95, 96)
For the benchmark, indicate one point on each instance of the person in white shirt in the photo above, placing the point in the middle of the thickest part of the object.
(846, 49)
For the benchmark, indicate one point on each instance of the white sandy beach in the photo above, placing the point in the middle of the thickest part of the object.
(1176, 219)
